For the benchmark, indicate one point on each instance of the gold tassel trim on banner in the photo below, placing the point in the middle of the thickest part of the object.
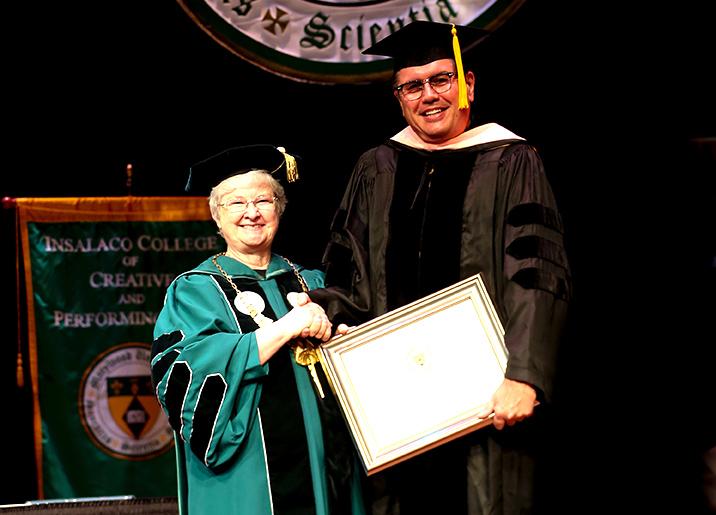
(463, 102)
(291, 166)
(20, 372)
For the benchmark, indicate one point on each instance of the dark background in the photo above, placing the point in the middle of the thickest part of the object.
(619, 102)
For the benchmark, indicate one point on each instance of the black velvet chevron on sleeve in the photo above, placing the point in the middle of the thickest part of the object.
(177, 387)
(205, 414)
(533, 213)
(159, 346)
(536, 279)
(535, 246)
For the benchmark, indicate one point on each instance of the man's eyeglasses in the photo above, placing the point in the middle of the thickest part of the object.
(239, 206)
(413, 90)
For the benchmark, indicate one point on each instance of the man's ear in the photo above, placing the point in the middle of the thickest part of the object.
(470, 83)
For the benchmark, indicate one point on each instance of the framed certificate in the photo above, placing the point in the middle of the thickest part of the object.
(416, 377)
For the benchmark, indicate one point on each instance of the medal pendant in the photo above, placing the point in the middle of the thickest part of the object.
(308, 358)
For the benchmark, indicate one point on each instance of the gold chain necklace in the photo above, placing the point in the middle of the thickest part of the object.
(303, 352)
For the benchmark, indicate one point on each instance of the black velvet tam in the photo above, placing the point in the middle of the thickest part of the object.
(206, 174)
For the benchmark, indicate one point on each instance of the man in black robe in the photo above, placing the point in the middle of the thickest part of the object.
(439, 202)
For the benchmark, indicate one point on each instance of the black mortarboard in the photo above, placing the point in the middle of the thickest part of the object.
(206, 174)
(422, 42)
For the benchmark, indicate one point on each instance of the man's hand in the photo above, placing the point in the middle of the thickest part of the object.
(513, 402)
(343, 329)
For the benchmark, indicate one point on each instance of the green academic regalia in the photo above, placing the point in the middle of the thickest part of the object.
(249, 437)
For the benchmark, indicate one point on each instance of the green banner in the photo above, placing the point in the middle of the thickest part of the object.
(95, 287)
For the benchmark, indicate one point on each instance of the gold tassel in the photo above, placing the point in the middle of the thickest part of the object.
(291, 166)
(462, 100)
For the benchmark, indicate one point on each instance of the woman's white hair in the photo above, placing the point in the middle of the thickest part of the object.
(276, 188)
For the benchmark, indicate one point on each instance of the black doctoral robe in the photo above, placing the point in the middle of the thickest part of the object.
(414, 220)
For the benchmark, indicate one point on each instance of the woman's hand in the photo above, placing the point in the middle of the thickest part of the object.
(307, 319)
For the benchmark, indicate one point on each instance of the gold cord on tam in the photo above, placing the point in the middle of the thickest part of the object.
(291, 166)
(463, 102)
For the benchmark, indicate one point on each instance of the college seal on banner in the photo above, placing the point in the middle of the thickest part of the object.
(321, 40)
(118, 407)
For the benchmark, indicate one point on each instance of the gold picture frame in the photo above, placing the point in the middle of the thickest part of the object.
(416, 377)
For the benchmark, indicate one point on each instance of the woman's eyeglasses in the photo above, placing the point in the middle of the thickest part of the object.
(239, 206)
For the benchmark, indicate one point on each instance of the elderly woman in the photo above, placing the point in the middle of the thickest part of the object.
(229, 361)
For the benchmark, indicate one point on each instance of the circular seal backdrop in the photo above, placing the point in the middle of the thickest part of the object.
(118, 408)
(321, 40)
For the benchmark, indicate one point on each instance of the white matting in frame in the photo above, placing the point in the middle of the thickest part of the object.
(416, 377)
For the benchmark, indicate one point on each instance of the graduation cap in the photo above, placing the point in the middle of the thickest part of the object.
(422, 42)
(206, 174)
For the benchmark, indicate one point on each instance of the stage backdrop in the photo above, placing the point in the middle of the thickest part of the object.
(96, 271)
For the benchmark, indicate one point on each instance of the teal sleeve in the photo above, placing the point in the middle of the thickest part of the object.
(209, 391)
(314, 278)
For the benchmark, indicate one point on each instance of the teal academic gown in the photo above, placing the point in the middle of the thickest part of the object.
(249, 438)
